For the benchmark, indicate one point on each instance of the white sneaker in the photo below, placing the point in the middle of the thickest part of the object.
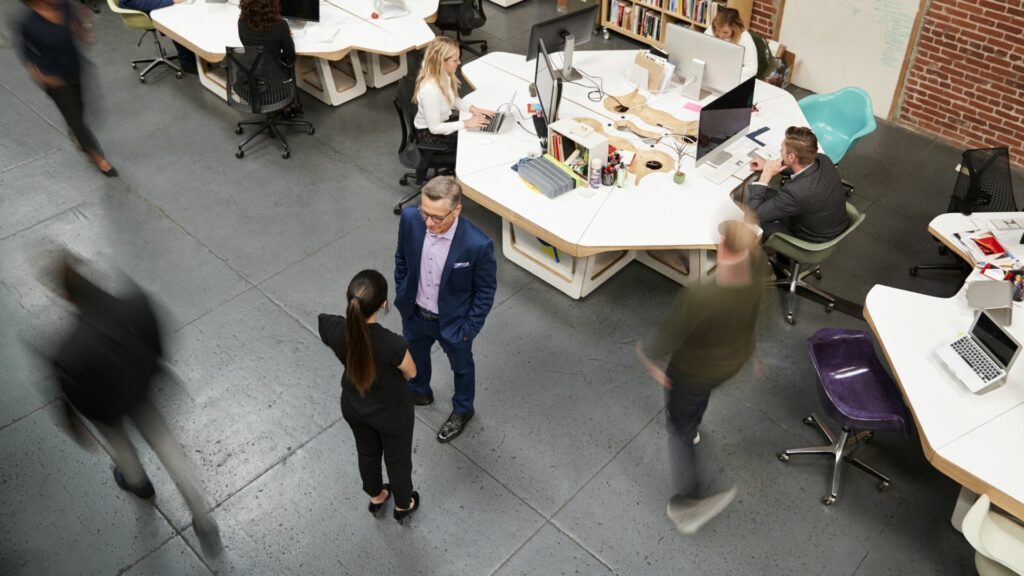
(690, 515)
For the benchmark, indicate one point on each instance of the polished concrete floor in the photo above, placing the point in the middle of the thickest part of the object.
(564, 469)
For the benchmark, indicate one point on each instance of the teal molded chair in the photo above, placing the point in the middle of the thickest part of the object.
(808, 255)
(839, 119)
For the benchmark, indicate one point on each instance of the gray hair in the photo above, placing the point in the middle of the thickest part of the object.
(444, 188)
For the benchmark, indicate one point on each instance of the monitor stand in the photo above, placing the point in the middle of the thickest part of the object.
(295, 24)
(692, 74)
(568, 73)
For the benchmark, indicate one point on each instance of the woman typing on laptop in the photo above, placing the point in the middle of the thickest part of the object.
(437, 96)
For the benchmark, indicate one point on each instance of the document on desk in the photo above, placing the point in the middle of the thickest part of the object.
(322, 34)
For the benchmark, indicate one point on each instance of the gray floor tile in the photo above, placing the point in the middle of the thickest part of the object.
(550, 551)
(27, 135)
(174, 557)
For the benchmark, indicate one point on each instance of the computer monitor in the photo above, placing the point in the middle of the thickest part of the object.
(724, 120)
(723, 61)
(301, 10)
(548, 82)
(564, 33)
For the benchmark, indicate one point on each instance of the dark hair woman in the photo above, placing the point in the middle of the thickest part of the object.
(375, 398)
(260, 24)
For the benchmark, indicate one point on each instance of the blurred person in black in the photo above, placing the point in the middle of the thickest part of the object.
(707, 337)
(105, 367)
(376, 400)
(49, 33)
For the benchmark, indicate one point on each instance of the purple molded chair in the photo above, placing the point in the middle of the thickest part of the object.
(857, 393)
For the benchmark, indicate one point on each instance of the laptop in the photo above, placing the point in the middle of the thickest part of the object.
(494, 126)
(981, 359)
(390, 8)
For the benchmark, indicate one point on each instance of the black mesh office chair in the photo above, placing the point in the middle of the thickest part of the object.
(412, 153)
(261, 86)
(984, 184)
(462, 17)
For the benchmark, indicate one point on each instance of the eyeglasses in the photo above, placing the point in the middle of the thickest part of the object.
(436, 219)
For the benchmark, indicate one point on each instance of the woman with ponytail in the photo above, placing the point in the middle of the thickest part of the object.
(375, 398)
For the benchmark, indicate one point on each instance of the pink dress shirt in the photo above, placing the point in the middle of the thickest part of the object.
(435, 254)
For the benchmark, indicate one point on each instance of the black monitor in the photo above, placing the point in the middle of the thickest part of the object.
(548, 82)
(303, 10)
(564, 33)
(724, 120)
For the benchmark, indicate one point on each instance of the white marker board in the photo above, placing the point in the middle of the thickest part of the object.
(840, 43)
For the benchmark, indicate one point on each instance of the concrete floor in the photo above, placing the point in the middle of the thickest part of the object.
(563, 470)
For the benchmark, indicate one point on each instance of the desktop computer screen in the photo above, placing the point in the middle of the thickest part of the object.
(305, 10)
(548, 82)
(563, 33)
(723, 61)
(724, 120)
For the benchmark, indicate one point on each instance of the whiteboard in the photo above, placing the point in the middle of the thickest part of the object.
(840, 43)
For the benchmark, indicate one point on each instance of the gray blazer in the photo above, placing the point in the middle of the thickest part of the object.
(812, 203)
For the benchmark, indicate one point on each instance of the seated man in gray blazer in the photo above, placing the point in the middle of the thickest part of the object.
(812, 204)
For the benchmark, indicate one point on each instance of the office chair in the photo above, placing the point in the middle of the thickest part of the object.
(809, 254)
(839, 120)
(998, 541)
(462, 16)
(140, 21)
(857, 393)
(412, 153)
(983, 184)
(261, 86)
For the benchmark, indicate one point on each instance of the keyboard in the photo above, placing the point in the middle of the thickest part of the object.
(725, 170)
(977, 359)
(495, 124)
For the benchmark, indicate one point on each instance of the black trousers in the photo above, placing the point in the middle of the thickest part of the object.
(68, 98)
(385, 433)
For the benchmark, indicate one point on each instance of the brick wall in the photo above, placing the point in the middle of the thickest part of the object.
(965, 82)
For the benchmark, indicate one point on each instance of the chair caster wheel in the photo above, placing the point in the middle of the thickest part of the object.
(135, 66)
(913, 270)
(605, 33)
(311, 131)
(286, 154)
(783, 457)
(240, 154)
(178, 75)
(809, 421)
(142, 79)
(830, 307)
(397, 210)
(828, 500)
(483, 47)
(883, 486)
(238, 130)
(817, 273)
(790, 320)
(403, 182)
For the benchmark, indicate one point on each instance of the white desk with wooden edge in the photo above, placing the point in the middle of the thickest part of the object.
(363, 51)
(576, 242)
(973, 439)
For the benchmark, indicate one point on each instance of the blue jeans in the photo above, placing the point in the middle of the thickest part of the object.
(685, 407)
(185, 56)
(421, 335)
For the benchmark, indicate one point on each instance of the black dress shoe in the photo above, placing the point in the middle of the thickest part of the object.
(454, 426)
(145, 491)
(401, 515)
(423, 400)
(375, 508)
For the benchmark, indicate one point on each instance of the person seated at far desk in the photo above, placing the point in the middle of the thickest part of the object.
(728, 26)
(260, 24)
(812, 204)
(186, 58)
(437, 95)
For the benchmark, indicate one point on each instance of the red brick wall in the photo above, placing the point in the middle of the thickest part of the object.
(965, 82)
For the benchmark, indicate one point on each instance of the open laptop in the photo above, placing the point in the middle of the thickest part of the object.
(390, 8)
(981, 358)
(494, 126)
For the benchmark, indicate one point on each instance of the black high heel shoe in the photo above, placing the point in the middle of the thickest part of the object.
(401, 515)
(375, 508)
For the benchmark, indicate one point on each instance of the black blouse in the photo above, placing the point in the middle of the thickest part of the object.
(277, 40)
(389, 389)
(51, 47)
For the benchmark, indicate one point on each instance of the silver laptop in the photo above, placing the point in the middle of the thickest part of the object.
(494, 126)
(390, 8)
(981, 358)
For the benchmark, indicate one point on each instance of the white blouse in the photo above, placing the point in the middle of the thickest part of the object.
(433, 111)
(749, 53)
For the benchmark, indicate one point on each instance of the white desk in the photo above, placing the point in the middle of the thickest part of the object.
(973, 439)
(331, 70)
(671, 228)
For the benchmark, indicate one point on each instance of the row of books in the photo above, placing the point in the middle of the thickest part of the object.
(700, 11)
(637, 19)
(621, 14)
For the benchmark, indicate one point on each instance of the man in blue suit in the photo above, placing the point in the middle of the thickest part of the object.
(445, 278)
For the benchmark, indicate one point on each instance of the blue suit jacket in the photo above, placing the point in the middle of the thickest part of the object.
(466, 292)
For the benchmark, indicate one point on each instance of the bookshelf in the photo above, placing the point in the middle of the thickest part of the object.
(645, 20)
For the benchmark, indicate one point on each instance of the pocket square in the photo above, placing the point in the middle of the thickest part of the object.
(458, 265)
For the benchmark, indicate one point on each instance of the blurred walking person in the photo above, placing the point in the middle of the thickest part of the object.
(49, 34)
(375, 397)
(105, 367)
(707, 337)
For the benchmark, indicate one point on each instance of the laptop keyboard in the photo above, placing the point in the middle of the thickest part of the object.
(495, 124)
(983, 366)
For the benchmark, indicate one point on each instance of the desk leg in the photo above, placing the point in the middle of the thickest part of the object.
(380, 70)
(576, 277)
(213, 77)
(331, 82)
(687, 267)
(964, 502)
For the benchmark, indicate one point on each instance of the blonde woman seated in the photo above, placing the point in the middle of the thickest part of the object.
(437, 96)
(728, 26)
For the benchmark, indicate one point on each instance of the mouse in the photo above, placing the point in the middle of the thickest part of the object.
(485, 141)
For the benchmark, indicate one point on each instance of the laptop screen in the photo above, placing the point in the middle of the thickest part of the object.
(992, 337)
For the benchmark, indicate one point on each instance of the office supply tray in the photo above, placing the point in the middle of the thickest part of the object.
(546, 176)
